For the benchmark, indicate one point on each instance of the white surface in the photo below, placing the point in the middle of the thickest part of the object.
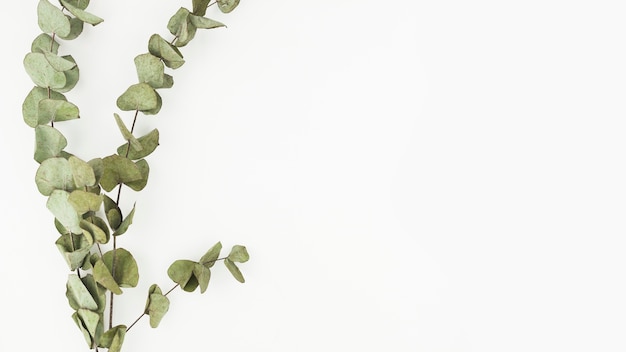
(408, 176)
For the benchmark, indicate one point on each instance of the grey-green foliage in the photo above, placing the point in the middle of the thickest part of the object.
(85, 216)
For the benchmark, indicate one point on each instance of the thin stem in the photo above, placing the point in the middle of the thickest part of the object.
(50, 90)
(119, 192)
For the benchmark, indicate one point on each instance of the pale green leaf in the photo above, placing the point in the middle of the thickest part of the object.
(209, 258)
(150, 70)
(80, 4)
(234, 270)
(76, 28)
(156, 305)
(125, 224)
(140, 97)
(90, 319)
(82, 172)
(126, 272)
(82, 328)
(148, 143)
(205, 23)
(140, 184)
(113, 338)
(42, 73)
(239, 254)
(126, 133)
(30, 107)
(78, 295)
(58, 63)
(51, 19)
(227, 6)
(96, 292)
(57, 111)
(71, 76)
(200, 6)
(157, 108)
(170, 54)
(99, 234)
(59, 204)
(74, 248)
(118, 170)
(177, 21)
(53, 174)
(81, 14)
(203, 275)
(181, 272)
(84, 201)
(113, 212)
(103, 276)
(44, 42)
(98, 168)
(49, 143)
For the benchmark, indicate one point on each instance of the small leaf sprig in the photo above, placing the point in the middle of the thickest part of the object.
(85, 216)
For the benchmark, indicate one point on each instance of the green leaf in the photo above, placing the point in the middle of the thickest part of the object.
(51, 19)
(205, 23)
(53, 174)
(181, 26)
(209, 258)
(113, 212)
(90, 319)
(126, 133)
(148, 143)
(49, 143)
(71, 76)
(140, 97)
(170, 54)
(42, 73)
(58, 63)
(203, 275)
(84, 201)
(101, 235)
(181, 272)
(82, 328)
(74, 249)
(200, 6)
(145, 172)
(150, 70)
(44, 42)
(239, 254)
(76, 28)
(78, 295)
(57, 111)
(30, 107)
(59, 204)
(82, 172)
(126, 272)
(113, 338)
(227, 6)
(98, 168)
(81, 14)
(80, 4)
(234, 270)
(156, 305)
(125, 224)
(103, 276)
(98, 294)
(118, 170)
(157, 108)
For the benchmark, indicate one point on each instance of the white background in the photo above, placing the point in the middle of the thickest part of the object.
(407, 176)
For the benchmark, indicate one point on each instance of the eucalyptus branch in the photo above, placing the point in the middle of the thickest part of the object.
(85, 216)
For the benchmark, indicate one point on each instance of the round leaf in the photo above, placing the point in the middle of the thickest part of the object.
(78, 295)
(181, 272)
(84, 201)
(118, 170)
(150, 70)
(42, 73)
(81, 14)
(227, 6)
(54, 174)
(71, 76)
(239, 254)
(126, 272)
(140, 97)
(30, 107)
(59, 204)
(209, 258)
(82, 172)
(57, 111)
(49, 143)
(76, 28)
(170, 54)
(140, 184)
(74, 248)
(234, 270)
(44, 42)
(51, 19)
